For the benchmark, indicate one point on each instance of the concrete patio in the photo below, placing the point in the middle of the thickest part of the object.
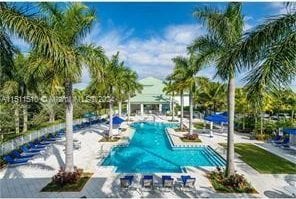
(27, 181)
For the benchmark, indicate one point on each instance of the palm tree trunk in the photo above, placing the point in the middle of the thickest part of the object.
(69, 164)
(51, 116)
(182, 113)
(25, 116)
(261, 123)
(17, 119)
(230, 138)
(173, 108)
(129, 107)
(190, 112)
(110, 118)
(244, 121)
(119, 108)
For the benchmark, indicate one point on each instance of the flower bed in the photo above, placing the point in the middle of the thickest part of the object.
(190, 138)
(234, 184)
(67, 181)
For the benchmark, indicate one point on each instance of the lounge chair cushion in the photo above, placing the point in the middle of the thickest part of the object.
(148, 181)
(190, 182)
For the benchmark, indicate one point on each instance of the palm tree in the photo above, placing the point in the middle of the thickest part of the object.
(69, 25)
(185, 71)
(212, 95)
(128, 81)
(170, 89)
(7, 52)
(34, 30)
(109, 84)
(18, 84)
(225, 29)
(269, 50)
(130, 87)
(241, 104)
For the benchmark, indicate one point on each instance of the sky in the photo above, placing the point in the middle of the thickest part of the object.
(149, 34)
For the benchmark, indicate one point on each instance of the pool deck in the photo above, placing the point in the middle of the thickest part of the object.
(26, 181)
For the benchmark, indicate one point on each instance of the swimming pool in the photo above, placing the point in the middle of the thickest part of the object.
(149, 151)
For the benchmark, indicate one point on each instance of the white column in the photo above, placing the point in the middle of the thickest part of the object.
(160, 108)
(211, 129)
(142, 109)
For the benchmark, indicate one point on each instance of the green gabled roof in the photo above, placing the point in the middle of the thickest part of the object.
(152, 92)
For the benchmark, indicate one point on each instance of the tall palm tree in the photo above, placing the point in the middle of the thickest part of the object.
(70, 24)
(269, 50)
(170, 89)
(130, 87)
(225, 30)
(241, 104)
(7, 52)
(185, 71)
(33, 29)
(18, 84)
(109, 84)
(211, 95)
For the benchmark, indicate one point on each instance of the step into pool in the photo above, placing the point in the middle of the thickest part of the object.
(149, 151)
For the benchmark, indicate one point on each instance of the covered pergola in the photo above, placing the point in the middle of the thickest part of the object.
(152, 99)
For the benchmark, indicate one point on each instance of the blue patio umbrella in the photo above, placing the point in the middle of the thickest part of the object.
(217, 118)
(291, 131)
(117, 120)
(221, 119)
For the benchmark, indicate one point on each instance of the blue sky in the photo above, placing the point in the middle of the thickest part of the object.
(148, 35)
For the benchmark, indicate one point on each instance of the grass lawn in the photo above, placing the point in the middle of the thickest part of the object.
(263, 161)
(76, 187)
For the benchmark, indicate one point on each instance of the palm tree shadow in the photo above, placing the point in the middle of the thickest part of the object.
(41, 166)
(276, 194)
(12, 172)
(58, 156)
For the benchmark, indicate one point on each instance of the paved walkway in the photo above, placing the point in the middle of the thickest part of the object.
(27, 181)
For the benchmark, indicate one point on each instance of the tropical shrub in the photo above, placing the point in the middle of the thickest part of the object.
(62, 177)
(191, 136)
(2, 162)
(234, 183)
(262, 136)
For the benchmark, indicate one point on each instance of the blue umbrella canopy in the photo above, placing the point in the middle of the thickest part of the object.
(217, 118)
(117, 120)
(290, 131)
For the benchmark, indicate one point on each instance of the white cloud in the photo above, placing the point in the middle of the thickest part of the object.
(20, 43)
(148, 57)
(279, 8)
(247, 27)
(247, 23)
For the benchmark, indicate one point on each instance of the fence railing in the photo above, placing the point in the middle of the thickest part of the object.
(10, 145)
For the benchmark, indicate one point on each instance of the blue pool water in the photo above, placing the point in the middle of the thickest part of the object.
(149, 151)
